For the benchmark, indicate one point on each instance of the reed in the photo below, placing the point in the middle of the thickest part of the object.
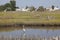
(29, 38)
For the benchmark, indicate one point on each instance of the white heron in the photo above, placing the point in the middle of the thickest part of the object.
(24, 29)
(24, 32)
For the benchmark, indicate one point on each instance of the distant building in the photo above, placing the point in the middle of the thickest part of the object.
(18, 9)
(23, 9)
(55, 8)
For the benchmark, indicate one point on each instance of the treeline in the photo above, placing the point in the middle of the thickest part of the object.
(32, 8)
(12, 7)
(40, 8)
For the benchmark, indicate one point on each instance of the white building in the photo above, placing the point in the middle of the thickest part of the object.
(18, 9)
(55, 8)
(23, 9)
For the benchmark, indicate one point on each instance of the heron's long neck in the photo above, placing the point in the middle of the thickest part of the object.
(23, 26)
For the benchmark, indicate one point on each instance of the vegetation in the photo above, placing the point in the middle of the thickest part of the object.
(13, 5)
(41, 8)
(27, 17)
(32, 8)
(52, 6)
(30, 17)
(9, 6)
(27, 7)
(2, 8)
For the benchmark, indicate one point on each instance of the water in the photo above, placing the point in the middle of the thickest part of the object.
(30, 31)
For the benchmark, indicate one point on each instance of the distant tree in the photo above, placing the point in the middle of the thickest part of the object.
(27, 7)
(41, 8)
(17, 7)
(2, 7)
(32, 8)
(52, 6)
(7, 5)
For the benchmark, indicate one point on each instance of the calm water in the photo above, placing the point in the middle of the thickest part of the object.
(40, 31)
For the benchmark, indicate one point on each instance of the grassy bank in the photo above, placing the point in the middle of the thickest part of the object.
(30, 17)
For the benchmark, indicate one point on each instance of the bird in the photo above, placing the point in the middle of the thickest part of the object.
(24, 29)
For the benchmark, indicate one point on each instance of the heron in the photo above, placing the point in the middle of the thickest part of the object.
(24, 32)
(24, 29)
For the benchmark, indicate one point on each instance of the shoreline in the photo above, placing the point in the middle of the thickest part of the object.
(30, 24)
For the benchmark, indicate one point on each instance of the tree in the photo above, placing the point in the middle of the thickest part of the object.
(2, 8)
(17, 7)
(13, 5)
(27, 7)
(52, 6)
(32, 8)
(41, 8)
(7, 5)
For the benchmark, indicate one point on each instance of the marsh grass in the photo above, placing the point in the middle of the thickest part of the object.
(33, 37)
(29, 17)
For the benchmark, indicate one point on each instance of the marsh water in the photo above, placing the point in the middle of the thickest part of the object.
(30, 31)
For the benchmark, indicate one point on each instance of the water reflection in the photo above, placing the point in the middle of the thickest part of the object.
(30, 31)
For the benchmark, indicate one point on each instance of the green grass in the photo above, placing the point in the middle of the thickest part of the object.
(29, 17)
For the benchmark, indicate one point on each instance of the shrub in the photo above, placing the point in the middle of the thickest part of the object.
(41, 8)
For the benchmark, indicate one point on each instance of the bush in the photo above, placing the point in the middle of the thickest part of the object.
(41, 8)
(32, 8)
(26, 7)
(52, 6)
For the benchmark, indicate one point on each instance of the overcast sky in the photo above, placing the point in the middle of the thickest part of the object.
(36, 3)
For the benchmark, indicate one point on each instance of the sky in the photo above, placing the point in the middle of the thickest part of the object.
(35, 3)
